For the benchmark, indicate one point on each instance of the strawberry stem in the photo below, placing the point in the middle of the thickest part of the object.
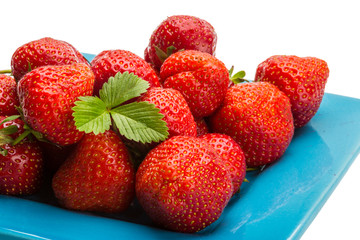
(6, 71)
(21, 137)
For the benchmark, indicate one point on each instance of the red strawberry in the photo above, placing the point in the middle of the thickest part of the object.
(107, 63)
(8, 97)
(201, 127)
(47, 95)
(180, 32)
(42, 52)
(98, 176)
(232, 155)
(183, 184)
(200, 77)
(173, 106)
(21, 165)
(301, 79)
(258, 117)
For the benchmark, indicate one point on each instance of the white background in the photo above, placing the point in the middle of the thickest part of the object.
(248, 33)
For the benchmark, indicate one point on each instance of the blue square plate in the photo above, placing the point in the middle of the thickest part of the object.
(278, 203)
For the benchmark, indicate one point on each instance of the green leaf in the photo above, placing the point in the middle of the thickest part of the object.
(13, 117)
(121, 88)
(240, 74)
(91, 115)
(237, 77)
(9, 130)
(3, 151)
(160, 53)
(5, 139)
(140, 121)
(164, 55)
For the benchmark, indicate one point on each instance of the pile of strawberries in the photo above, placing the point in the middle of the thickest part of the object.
(175, 129)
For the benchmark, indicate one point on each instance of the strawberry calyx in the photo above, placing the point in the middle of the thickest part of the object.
(137, 121)
(237, 77)
(5, 133)
(164, 55)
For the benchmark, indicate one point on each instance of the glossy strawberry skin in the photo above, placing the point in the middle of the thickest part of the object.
(98, 176)
(8, 96)
(232, 155)
(200, 77)
(43, 52)
(183, 185)
(258, 117)
(21, 169)
(176, 112)
(184, 33)
(303, 80)
(109, 62)
(201, 127)
(47, 95)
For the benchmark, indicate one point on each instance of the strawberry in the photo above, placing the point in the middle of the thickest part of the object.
(8, 96)
(42, 52)
(21, 165)
(98, 176)
(109, 62)
(258, 117)
(180, 32)
(183, 184)
(303, 80)
(46, 96)
(232, 155)
(201, 127)
(200, 77)
(173, 106)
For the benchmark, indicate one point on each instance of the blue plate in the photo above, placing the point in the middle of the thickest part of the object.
(278, 203)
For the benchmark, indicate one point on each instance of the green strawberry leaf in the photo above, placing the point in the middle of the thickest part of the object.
(9, 130)
(237, 77)
(10, 118)
(164, 55)
(91, 115)
(121, 88)
(140, 121)
(3, 152)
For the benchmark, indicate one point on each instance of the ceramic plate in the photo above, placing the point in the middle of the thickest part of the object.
(279, 202)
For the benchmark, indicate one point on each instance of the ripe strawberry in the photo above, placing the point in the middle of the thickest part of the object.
(173, 106)
(258, 117)
(200, 77)
(180, 32)
(21, 165)
(232, 155)
(109, 62)
(201, 127)
(98, 176)
(8, 97)
(183, 184)
(303, 80)
(46, 96)
(42, 52)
